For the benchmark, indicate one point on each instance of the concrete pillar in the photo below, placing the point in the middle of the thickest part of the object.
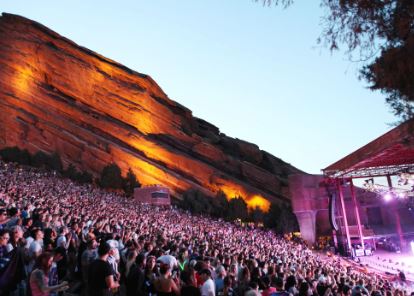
(356, 209)
(307, 225)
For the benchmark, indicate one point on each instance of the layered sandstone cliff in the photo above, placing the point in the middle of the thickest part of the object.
(58, 96)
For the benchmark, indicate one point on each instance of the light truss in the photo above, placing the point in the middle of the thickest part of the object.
(370, 171)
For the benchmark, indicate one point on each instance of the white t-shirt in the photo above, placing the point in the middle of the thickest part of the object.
(168, 259)
(208, 289)
(61, 241)
(35, 247)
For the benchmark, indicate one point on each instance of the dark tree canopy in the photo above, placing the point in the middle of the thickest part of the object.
(237, 209)
(111, 177)
(285, 3)
(379, 33)
(130, 183)
(281, 219)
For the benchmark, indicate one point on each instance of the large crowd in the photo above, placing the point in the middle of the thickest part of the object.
(58, 237)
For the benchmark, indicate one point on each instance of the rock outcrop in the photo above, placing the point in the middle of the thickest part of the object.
(58, 96)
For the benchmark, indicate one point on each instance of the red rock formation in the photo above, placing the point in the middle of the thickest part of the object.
(58, 96)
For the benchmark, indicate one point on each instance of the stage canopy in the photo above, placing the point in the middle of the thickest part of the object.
(390, 154)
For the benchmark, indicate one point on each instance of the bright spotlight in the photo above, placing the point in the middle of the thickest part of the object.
(387, 196)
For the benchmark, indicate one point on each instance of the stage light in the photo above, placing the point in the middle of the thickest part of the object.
(387, 196)
(402, 195)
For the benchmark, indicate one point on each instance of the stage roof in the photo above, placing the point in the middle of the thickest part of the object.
(389, 154)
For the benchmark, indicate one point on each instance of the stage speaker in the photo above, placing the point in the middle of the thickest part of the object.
(332, 210)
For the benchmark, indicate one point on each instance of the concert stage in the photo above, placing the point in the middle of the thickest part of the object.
(390, 262)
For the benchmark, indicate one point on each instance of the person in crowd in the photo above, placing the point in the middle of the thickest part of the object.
(101, 278)
(219, 280)
(189, 287)
(36, 246)
(304, 289)
(166, 283)
(131, 258)
(207, 288)
(253, 289)
(57, 272)
(14, 217)
(3, 218)
(135, 277)
(244, 280)
(16, 238)
(39, 277)
(279, 288)
(88, 256)
(228, 286)
(267, 288)
(290, 285)
(113, 260)
(4, 254)
(64, 238)
(38, 201)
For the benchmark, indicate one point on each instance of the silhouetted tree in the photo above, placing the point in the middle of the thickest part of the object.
(256, 215)
(111, 177)
(197, 202)
(237, 209)
(71, 172)
(54, 162)
(40, 159)
(281, 218)
(10, 154)
(14, 154)
(371, 27)
(84, 177)
(288, 220)
(220, 205)
(25, 157)
(130, 183)
(272, 216)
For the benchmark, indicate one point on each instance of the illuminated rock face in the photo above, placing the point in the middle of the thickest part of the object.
(58, 96)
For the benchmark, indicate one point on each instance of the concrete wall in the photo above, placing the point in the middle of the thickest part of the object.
(146, 195)
(308, 197)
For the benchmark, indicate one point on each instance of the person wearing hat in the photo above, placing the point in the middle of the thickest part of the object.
(100, 277)
(208, 288)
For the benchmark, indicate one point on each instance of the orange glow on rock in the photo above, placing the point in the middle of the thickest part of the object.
(259, 201)
(21, 81)
(232, 190)
(94, 111)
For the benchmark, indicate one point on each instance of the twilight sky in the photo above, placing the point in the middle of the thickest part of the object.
(255, 72)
